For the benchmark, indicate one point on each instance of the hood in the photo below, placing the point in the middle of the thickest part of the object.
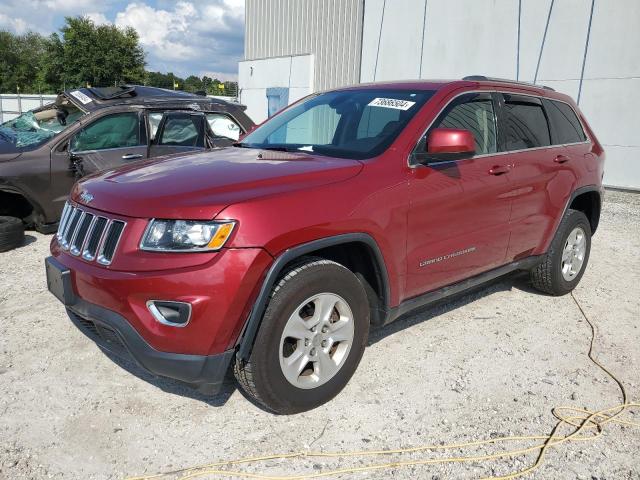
(8, 150)
(198, 186)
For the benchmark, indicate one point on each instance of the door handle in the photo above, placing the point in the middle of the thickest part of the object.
(499, 169)
(131, 156)
(561, 159)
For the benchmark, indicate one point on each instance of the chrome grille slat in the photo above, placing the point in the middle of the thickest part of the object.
(90, 235)
(94, 239)
(63, 220)
(70, 229)
(110, 242)
(81, 233)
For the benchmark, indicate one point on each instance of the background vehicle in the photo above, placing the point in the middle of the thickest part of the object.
(43, 152)
(339, 214)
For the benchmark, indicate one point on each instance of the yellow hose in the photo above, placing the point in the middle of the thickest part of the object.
(580, 420)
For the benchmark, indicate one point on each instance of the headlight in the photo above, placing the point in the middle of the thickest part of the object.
(185, 235)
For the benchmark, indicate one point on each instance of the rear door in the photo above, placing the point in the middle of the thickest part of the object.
(536, 174)
(178, 132)
(459, 210)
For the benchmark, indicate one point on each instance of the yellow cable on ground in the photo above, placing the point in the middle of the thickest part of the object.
(580, 420)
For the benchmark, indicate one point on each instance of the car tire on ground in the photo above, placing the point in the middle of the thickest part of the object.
(11, 233)
(564, 264)
(311, 339)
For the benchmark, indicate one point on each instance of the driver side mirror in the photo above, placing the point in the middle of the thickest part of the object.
(447, 144)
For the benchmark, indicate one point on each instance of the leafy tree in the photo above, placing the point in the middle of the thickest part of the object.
(100, 55)
(85, 53)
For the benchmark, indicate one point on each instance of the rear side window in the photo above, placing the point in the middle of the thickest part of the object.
(565, 125)
(182, 131)
(525, 126)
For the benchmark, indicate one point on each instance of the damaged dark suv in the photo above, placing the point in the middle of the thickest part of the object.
(44, 151)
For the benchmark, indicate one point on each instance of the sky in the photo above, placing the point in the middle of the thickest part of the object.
(187, 37)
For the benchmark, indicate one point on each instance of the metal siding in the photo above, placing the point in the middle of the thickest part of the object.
(329, 29)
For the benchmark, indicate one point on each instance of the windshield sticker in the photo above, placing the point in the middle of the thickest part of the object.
(81, 96)
(391, 103)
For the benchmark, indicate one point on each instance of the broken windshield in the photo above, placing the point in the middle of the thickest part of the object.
(36, 127)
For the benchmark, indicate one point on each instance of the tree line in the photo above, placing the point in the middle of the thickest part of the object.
(85, 54)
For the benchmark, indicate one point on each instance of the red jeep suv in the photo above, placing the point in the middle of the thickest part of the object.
(339, 214)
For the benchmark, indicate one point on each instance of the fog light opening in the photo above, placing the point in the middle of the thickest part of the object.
(172, 314)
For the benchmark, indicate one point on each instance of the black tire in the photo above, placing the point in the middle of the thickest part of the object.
(547, 276)
(262, 377)
(11, 233)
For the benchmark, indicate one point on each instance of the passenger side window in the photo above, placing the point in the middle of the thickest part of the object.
(113, 131)
(476, 116)
(182, 130)
(525, 126)
(223, 126)
(564, 122)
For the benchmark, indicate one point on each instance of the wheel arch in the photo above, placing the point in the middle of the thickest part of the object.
(357, 251)
(16, 203)
(588, 200)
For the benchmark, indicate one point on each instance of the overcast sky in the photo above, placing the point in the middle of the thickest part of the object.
(200, 37)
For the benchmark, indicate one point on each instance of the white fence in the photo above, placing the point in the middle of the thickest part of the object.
(13, 105)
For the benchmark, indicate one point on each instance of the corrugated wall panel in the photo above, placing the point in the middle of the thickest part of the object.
(329, 29)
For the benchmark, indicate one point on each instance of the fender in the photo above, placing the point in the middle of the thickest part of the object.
(576, 193)
(255, 316)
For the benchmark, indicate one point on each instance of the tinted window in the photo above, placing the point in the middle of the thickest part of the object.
(525, 126)
(183, 130)
(476, 116)
(564, 123)
(113, 131)
(356, 123)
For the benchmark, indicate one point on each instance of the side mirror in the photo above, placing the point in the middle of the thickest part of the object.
(448, 144)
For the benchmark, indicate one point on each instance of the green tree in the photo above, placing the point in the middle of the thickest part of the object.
(100, 55)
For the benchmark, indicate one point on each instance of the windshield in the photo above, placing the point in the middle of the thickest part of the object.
(36, 127)
(349, 124)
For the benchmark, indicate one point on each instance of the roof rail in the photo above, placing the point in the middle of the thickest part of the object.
(482, 78)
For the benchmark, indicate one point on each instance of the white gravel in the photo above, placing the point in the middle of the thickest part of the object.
(493, 362)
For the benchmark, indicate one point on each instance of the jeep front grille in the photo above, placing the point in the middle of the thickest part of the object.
(92, 236)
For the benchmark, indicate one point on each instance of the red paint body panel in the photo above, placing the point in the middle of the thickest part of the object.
(415, 214)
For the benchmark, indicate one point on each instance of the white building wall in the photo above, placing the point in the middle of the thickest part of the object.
(406, 39)
(256, 76)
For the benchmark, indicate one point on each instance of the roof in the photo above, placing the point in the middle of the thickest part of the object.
(91, 99)
(475, 81)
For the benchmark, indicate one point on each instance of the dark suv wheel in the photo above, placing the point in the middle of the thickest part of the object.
(311, 339)
(563, 265)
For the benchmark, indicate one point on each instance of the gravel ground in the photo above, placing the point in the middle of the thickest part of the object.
(493, 362)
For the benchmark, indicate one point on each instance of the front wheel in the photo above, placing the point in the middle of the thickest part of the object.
(311, 339)
(564, 264)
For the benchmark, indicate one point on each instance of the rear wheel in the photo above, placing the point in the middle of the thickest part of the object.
(563, 266)
(11, 233)
(311, 339)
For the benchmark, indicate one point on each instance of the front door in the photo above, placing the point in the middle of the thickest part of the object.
(459, 210)
(108, 142)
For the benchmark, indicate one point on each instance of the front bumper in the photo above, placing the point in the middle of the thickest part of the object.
(113, 333)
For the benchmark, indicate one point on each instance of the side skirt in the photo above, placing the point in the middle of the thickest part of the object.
(444, 292)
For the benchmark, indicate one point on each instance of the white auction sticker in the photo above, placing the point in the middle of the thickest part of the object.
(81, 96)
(391, 103)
